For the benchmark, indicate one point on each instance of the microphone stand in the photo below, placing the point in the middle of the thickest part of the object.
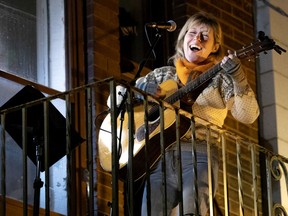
(141, 66)
(122, 107)
(38, 183)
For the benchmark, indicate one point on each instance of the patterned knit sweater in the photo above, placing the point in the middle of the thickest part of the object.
(212, 105)
(221, 95)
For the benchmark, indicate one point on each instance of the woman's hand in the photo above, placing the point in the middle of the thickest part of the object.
(230, 63)
(232, 66)
(160, 93)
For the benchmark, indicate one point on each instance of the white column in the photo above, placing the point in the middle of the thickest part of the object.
(272, 19)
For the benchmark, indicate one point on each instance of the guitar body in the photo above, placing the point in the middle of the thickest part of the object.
(153, 144)
(105, 139)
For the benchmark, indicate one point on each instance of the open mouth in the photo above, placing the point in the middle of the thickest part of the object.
(195, 48)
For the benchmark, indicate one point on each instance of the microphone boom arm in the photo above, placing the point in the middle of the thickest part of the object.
(137, 75)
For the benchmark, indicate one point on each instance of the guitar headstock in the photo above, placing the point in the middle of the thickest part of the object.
(263, 44)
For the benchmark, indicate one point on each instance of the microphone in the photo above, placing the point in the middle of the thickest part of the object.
(169, 25)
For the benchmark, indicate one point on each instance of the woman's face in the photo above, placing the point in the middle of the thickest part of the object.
(199, 43)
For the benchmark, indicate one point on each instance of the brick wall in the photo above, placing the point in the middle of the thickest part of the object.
(106, 46)
(103, 51)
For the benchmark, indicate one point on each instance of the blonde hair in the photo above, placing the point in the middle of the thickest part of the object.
(197, 19)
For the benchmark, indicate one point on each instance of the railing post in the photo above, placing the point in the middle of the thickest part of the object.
(210, 180)
(130, 150)
(225, 179)
(269, 186)
(114, 147)
(68, 153)
(90, 163)
(3, 165)
(239, 174)
(163, 160)
(179, 162)
(24, 159)
(47, 155)
(194, 168)
(147, 158)
(254, 179)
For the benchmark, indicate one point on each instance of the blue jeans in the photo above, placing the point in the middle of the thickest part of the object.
(188, 178)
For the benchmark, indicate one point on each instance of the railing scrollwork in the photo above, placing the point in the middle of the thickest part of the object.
(278, 168)
(279, 210)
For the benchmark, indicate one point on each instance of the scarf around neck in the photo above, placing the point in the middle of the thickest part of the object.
(187, 71)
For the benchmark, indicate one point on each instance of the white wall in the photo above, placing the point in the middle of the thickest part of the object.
(273, 74)
(51, 72)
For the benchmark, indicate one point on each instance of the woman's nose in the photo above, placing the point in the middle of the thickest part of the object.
(198, 37)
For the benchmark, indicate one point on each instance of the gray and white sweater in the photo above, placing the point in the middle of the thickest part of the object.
(224, 93)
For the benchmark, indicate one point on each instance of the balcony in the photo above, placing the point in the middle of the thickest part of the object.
(249, 173)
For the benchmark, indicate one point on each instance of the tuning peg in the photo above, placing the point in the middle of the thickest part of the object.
(261, 35)
(279, 49)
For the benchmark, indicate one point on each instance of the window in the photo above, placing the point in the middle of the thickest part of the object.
(32, 46)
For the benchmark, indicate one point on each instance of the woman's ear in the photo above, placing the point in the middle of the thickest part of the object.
(215, 48)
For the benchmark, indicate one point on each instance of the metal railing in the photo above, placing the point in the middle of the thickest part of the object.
(247, 171)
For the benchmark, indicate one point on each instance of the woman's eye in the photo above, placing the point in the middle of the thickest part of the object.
(205, 37)
(192, 33)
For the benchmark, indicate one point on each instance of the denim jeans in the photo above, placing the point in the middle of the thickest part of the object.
(157, 190)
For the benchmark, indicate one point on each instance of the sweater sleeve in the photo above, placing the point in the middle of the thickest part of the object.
(150, 83)
(243, 105)
(227, 93)
(149, 87)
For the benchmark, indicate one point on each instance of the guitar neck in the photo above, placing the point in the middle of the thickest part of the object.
(194, 84)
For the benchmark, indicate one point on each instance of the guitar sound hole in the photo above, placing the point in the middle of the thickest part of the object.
(152, 116)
